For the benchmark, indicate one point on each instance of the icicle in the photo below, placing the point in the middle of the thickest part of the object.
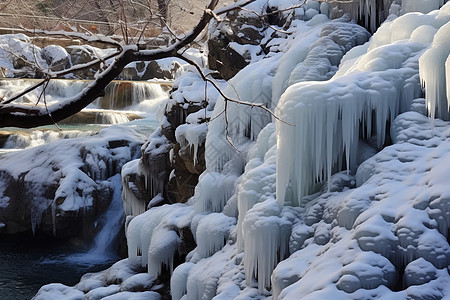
(266, 238)
(178, 281)
(447, 76)
(161, 251)
(212, 232)
(433, 74)
(140, 230)
(151, 236)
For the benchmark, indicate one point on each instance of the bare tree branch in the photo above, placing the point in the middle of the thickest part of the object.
(24, 116)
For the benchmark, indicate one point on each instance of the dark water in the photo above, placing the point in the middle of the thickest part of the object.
(27, 264)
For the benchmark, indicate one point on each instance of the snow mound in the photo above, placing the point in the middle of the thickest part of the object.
(401, 223)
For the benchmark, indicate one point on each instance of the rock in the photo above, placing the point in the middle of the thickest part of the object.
(150, 70)
(64, 186)
(146, 178)
(182, 186)
(83, 55)
(177, 113)
(56, 57)
(240, 29)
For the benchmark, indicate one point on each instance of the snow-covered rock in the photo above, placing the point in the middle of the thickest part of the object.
(54, 187)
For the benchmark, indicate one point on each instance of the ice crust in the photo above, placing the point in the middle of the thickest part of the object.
(326, 116)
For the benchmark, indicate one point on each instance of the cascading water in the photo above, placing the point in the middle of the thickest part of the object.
(103, 248)
(118, 94)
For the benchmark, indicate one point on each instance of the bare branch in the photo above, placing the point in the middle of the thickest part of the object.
(26, 117)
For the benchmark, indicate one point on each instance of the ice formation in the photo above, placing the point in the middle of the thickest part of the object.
(327, 117)
(266, 238)
(264, 224)
(154, 236)
(434, 76)
(390, 222)
(212, 232)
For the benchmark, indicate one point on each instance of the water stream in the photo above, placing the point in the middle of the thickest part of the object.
(27, 263)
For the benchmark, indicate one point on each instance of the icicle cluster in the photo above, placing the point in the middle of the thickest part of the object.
(266, 238)
(258, 180)
(213, 191)
(328, 118)
(435, 74)
(193, 135)
(374, 12)
(241, 123)
(153, 236)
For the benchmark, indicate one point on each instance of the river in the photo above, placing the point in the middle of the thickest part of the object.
(27, 264)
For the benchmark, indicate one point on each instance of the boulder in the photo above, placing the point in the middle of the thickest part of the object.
(60, 189)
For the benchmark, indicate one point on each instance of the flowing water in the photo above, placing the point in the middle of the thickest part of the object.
(28, 263)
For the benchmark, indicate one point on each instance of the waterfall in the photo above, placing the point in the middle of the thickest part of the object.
(118, 94)
(102, 250)
(124, 94)
(112, 221)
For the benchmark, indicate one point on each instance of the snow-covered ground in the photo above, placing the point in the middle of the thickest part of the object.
(300, 211)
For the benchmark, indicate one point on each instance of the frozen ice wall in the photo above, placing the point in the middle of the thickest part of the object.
(327, 117)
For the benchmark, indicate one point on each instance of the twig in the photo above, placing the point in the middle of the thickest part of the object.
(226, 98)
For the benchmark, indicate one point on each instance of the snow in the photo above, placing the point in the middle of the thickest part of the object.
(79, 166)
(306, 208)
(424, 6)
(58, 291)
(381, 80)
